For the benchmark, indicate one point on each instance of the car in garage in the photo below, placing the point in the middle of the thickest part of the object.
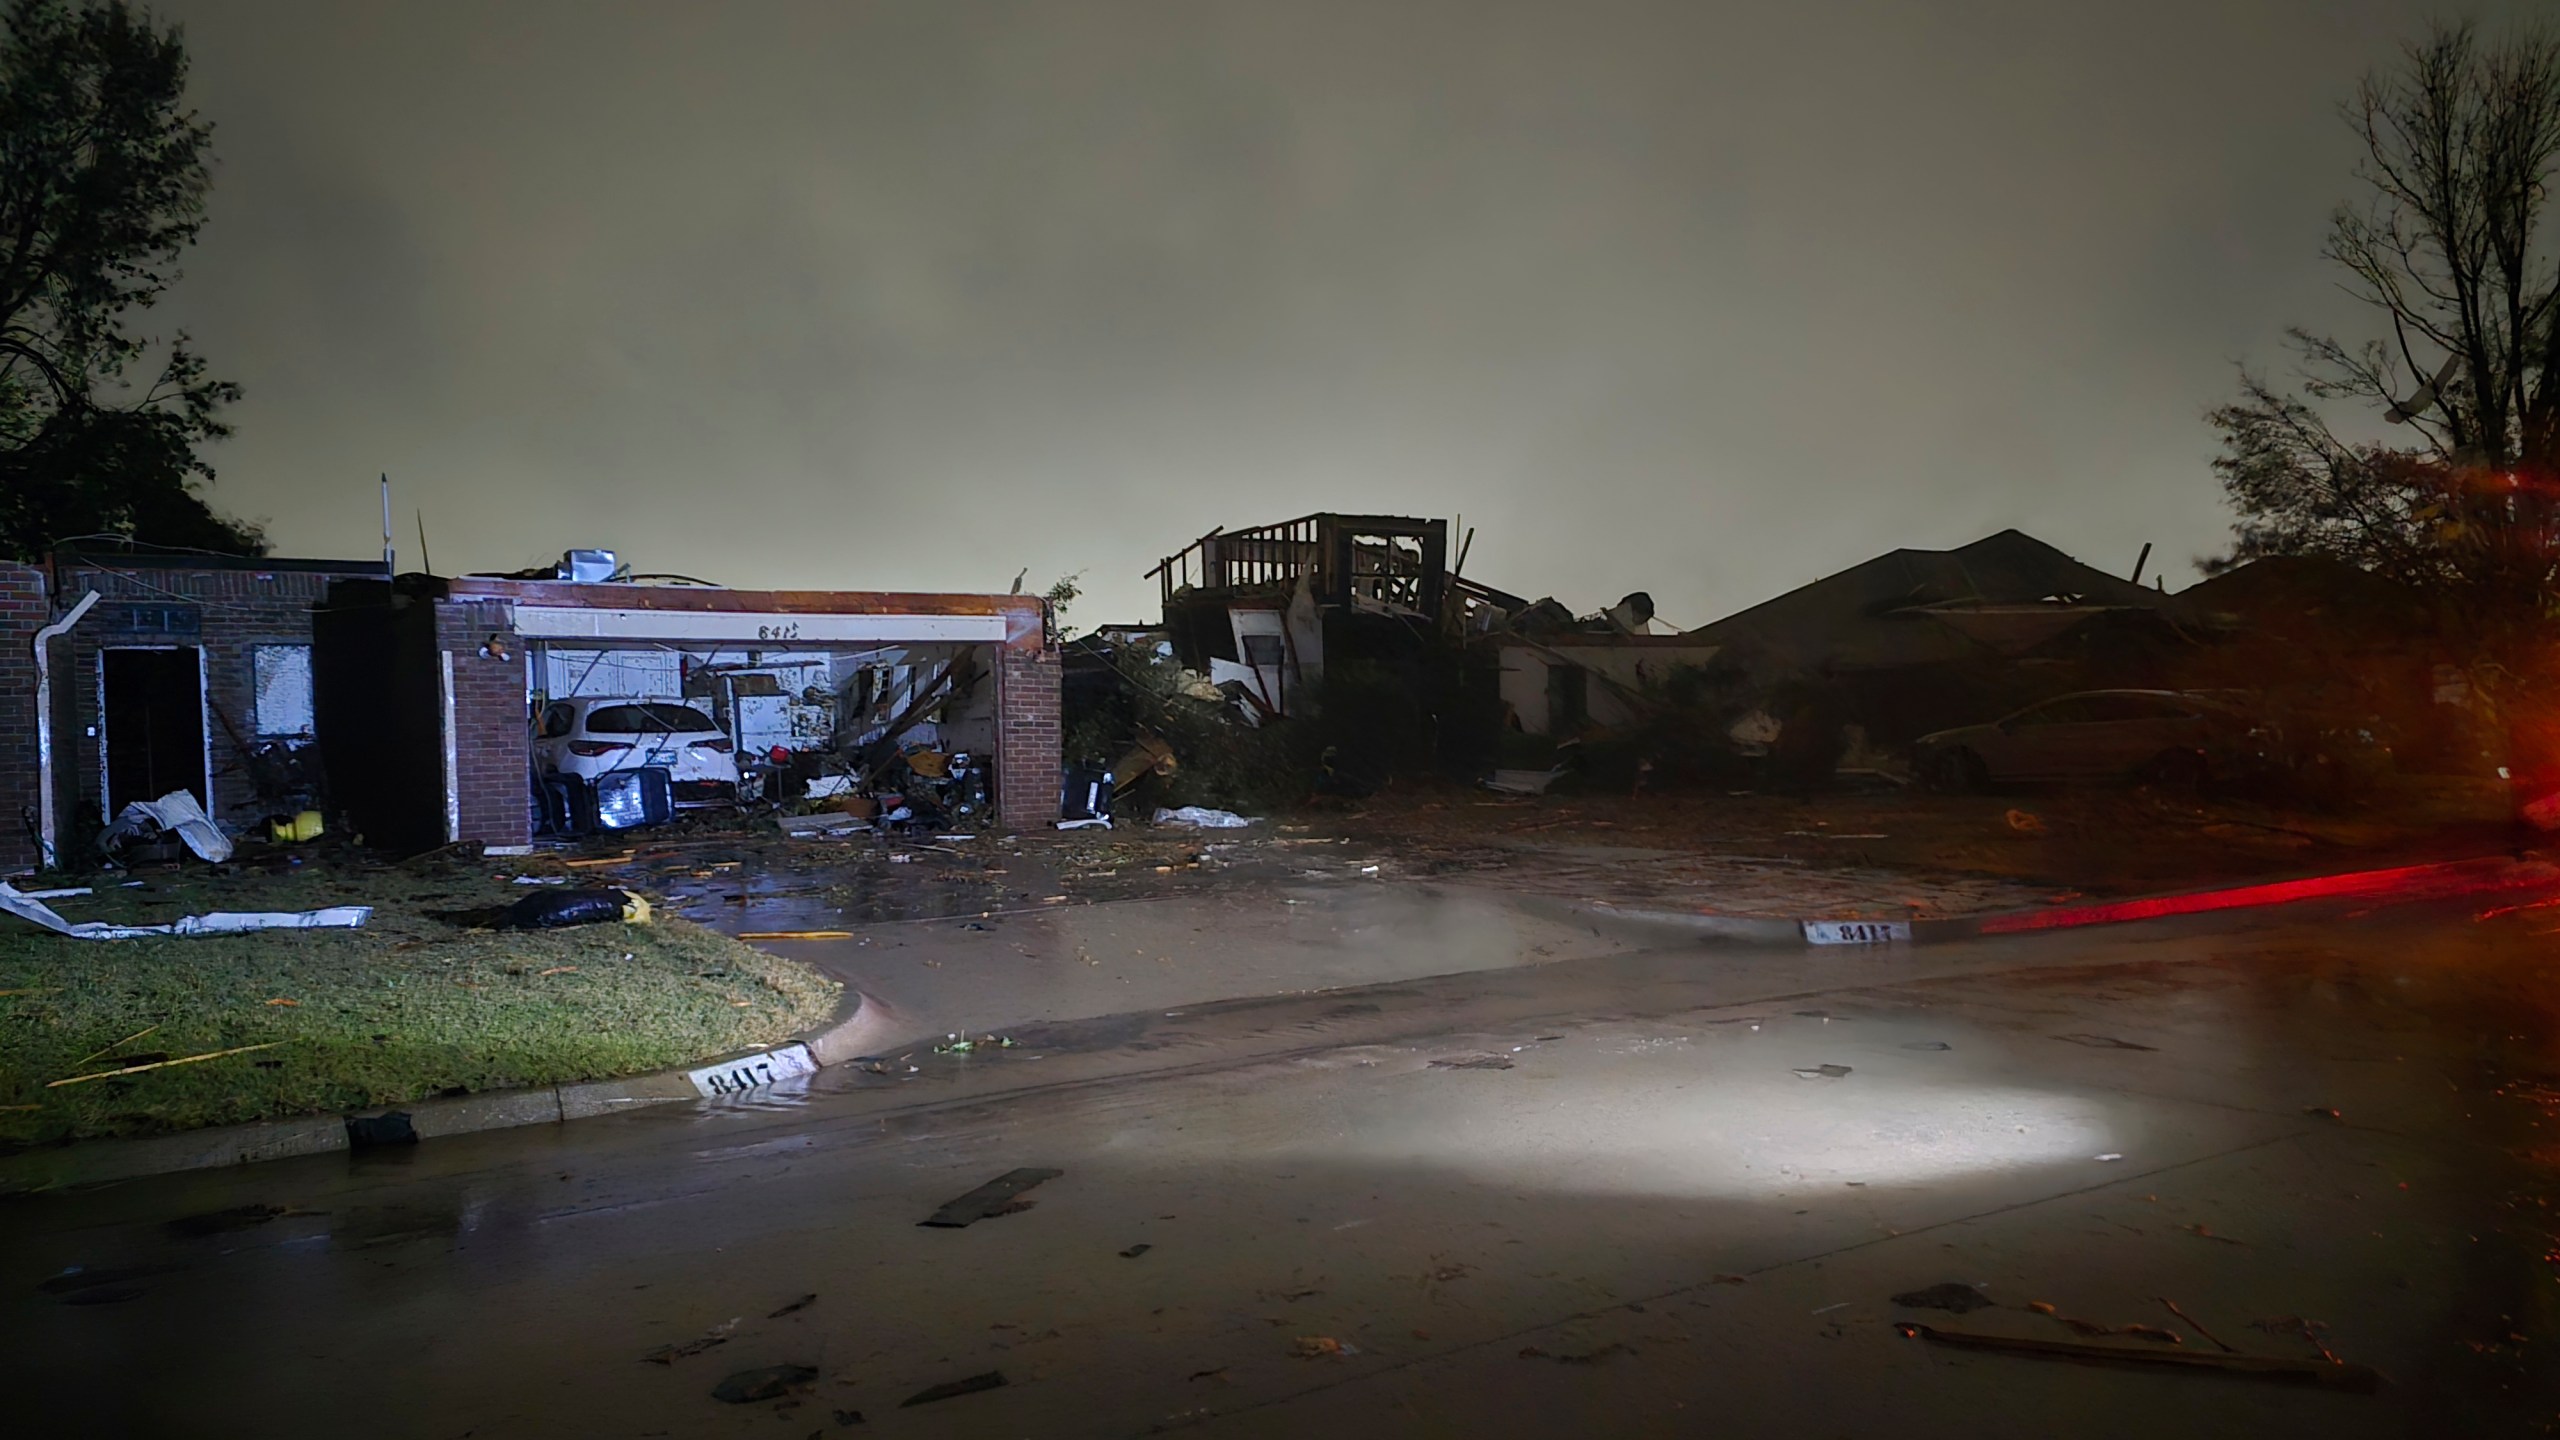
(2163, 736)
(596, 738)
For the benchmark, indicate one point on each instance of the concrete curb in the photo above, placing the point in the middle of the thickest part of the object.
(860, 1023)
(2435, 880)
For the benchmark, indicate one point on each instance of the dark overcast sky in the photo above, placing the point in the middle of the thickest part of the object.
(1705, 299)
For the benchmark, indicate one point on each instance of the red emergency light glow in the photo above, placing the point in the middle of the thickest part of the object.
(2407, 882)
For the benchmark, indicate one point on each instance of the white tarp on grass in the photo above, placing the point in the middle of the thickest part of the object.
(221, 922)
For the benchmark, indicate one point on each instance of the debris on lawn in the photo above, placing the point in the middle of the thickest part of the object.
(803, 1303)
(129, 1039)
(848, 1418)
(176, 812)
(2352, 1379)
(577, 907)
(1821, 1072)
(2325, 1112)
(1000, 1196)
(1473, 1062)
(161, 1064)
(670, 1354)
(769, 1383)
(1134, 1251)
(1321, 1347)
(992, 1380)
(1953, 1296)
(2025, 822)
(540, 880)
(221, 922)
(1927, 1045)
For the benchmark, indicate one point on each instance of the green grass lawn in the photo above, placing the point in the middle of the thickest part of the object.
(421, 1002)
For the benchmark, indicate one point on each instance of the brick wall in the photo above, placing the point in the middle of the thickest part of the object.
(233, 612)
(1027, 740)
(22, 613)
(492, 740)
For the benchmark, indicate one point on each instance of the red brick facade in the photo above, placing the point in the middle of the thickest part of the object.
(1027, 742)
(226, 613)
(491, 744)
(22, 612)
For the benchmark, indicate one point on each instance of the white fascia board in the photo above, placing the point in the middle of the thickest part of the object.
(606, 627)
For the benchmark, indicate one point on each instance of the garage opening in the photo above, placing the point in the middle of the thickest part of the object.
(151, 703)
(916, 722)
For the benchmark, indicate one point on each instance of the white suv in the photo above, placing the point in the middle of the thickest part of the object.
(589, 737)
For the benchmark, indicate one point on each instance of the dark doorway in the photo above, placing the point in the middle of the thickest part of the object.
(154, 703)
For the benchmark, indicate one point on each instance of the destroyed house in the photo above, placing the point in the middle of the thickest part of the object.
(129, 675)
(452, 674)
(1261, 608)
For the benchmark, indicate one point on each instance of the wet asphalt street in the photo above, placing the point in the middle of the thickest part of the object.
(1607, 1190)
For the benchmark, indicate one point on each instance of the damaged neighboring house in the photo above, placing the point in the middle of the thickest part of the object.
(1917, 640)
(429, 686)
(128, 675)
(1260, 611)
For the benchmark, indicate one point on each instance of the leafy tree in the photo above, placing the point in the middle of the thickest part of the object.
(103, 174)
(2450, 246)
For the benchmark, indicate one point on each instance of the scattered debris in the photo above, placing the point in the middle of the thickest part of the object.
(2353, 1379)
(1201, 817)
(222, 1222)
(1730, 1280)
(1473, 1062)
(1321, 1347)
(2197, 1326)
(2310, 1330)
(220, 922)
(2111, 1156)
(963, 1045)
(1000, 1196)
(2025, 822)
(1821, 1072)
(803, 1303)
(769, 1383)
(2325, 1112)
(2204, 1231)
(992, 1380)
(160, 1064)
(848, 1418)
(564, 908)
(1927, 1045)
(1218, 1374)
(1954, 1296)
(670, 1354)
(540, 880)
(176, 811)
(2103, 1042)
(1134, 1251)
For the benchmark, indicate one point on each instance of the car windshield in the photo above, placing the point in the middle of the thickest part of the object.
(648, 720)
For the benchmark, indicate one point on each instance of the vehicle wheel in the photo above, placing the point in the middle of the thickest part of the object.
(1958, 772)
(2176, 770)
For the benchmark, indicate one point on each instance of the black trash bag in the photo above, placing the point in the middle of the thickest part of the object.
(552, 909)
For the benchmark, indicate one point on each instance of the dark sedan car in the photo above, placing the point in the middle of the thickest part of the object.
(2159, 735)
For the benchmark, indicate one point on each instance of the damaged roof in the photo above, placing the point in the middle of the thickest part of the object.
(2003, 594)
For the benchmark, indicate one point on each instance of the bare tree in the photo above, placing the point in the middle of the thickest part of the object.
(2450, 246)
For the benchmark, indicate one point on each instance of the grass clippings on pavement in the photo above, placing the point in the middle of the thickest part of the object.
(424, 1001)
